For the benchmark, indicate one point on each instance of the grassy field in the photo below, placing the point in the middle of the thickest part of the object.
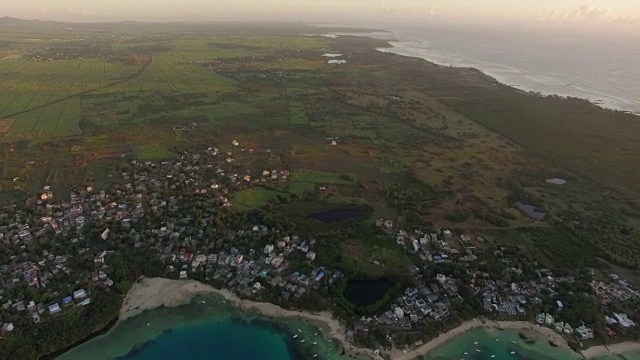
(254, 197)
(319, 177)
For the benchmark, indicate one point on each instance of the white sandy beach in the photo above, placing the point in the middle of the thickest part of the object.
(151, 293)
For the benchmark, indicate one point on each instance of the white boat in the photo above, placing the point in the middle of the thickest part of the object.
(466, 353)
(475, 343)
(513, 352)
(295, 336)
(315, 355)
(204, 302)
(301, 341)
(478, 350)
(148, 324)
(513, 341)
(299, 330)
(497, 339)
(493, 356)
(315, 343)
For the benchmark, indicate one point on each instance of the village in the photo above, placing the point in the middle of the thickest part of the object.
(63, 254)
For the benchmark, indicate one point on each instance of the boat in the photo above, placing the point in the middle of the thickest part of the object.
(148, 324)
(497, 339)
(295, 336)
(492, 356)
(315, 343)
(466, 353)
(300, 331)
(301, 341)
(513, 352)
(513, 341)
(204, 302)
(315, 355)
(475, 343)
(478, 350)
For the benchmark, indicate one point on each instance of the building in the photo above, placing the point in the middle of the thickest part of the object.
(311, 255)
(79, 294)
(268, 249)
(54, 308)
(105, 234)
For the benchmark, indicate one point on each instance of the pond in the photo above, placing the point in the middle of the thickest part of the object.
(531, 211)
(363, 293)
(556, 181)
(335, 216)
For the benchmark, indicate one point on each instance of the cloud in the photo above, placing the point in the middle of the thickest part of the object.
(589, 13)
(586, 13)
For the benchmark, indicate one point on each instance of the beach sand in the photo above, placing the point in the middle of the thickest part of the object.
(611, 350)
(151, 293)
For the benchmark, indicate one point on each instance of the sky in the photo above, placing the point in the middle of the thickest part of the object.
(601, 12)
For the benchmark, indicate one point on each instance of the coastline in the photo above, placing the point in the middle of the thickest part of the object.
(501, 73)
(151, 293)
(593, 96)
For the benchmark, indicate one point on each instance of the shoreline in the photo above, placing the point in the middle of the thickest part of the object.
(394, 46)
(151, 293)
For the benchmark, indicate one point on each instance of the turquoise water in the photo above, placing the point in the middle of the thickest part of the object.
(209, 329)
(214, 330)
(499, 344)
(219, 340)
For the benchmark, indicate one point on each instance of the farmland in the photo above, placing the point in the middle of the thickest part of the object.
(401, 137)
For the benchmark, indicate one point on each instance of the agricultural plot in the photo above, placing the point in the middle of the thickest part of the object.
(319, 177)
(254, 197)
(298, 113)
(152, 151)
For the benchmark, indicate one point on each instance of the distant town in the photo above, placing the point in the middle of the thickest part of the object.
(63, 254)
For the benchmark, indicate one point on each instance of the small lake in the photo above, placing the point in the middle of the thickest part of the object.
(531, 211)
(335, 216)
(363, 293)
(556, 181)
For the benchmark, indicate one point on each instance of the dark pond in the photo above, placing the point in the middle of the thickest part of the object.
(531, 211)
(335, 216)
(363, 293)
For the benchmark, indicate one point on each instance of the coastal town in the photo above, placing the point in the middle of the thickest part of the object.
(60, 256)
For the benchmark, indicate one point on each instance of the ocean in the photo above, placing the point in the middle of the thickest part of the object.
(215, 330)
(208, 329)
(602, 68)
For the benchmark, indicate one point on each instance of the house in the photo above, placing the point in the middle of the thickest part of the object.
(7, 327)
(54, 308)
(183, 275)
(268, 249)
(441, 278)
(399, 312)
(99, 259)
(79, 294)
(66, 301)
(104, 234)
(584, 332)
(311, 255)
(277, 261)
(560, 306)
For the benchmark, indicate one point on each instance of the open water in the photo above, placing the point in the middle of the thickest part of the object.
(601, 67)
(217, 331)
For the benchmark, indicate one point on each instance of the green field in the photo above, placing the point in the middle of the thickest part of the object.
(254, 197)
(420, 141)
(298, 113)
(319, 177)
(153, 151)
